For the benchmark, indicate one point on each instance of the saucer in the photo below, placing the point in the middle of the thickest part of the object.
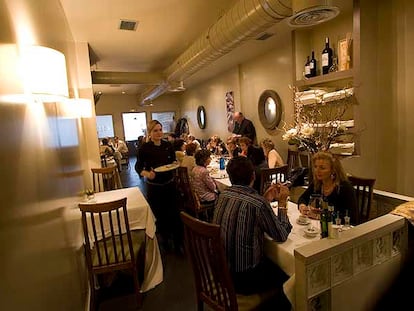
(303, 223)
(311, 232)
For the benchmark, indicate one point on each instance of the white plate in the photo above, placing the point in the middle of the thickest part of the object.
(166, 168)
(219, 175)
(311, 232)
(303, 223)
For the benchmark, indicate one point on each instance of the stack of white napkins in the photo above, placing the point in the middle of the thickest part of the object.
(338, 95)
(318, 96)
(342, 148)
(346, 123)
(309, 97)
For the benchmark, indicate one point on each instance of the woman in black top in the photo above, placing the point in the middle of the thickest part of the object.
(160, 185)
(331, 183)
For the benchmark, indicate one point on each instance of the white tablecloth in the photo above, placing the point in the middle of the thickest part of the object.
(220, 176)
(140, 216)
(283, 253)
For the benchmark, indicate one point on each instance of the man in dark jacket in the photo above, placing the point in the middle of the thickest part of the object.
(244, 127)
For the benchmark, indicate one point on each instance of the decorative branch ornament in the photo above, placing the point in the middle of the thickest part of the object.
(318, 119)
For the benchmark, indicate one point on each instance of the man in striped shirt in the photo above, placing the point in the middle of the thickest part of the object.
(244, 217)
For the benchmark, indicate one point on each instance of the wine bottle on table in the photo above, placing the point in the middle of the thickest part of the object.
(326, 57)
(307, 68)
(312, 65)
(324, 220)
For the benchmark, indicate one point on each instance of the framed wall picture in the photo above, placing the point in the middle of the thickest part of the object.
(344, 54)
(230, 110)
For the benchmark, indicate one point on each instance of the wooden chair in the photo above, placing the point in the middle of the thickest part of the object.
(272, 175)
(105, 178)
(125, 159)
(293, 160)
(189, 199)
(109, 244)
(213, 282)
(364, 188)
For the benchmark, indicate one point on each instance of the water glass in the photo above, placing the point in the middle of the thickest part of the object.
(347, 220)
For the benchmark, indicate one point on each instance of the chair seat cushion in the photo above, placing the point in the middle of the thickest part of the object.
(138, 239)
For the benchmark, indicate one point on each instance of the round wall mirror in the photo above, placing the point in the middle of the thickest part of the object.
(201, 117)
(270, 109)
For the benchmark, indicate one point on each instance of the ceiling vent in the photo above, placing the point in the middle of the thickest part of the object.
(312, 12)
(128, 25)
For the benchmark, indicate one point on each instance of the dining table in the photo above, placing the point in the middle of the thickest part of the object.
(140, 216)
(221, 178)
(282, 253)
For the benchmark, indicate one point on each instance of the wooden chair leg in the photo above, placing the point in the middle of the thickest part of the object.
(137, 289)
(93, 299)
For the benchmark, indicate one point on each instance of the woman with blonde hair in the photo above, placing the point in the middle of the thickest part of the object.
(160, 185)
(232, 147)
(272, 156)
(331, 184)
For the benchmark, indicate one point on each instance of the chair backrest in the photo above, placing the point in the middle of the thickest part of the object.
(108, 240)
(190, 200)
(293, 160)
(364, 188)
(297, 159)
(105, 178)
(304, 158)
(208, 260)
(272, 175)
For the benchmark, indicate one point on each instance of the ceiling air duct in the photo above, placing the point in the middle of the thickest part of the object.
(312, 12)
(245, 20)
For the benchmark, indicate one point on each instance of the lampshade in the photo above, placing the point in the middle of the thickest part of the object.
(11, 85)
(35, 71)
(44, 73)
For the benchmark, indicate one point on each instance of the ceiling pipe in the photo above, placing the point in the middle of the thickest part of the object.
(245, 20)
(114, 77)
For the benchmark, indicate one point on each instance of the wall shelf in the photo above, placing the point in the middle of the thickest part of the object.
(330, 77)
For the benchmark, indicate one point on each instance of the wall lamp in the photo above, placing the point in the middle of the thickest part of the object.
(32, 72)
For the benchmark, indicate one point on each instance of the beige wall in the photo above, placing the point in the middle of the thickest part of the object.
(386, 96)
(44, 157)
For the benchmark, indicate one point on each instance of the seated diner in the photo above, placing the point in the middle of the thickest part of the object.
(330, 183)
(245, 217)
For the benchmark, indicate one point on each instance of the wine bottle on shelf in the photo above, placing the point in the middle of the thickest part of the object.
(312, 65)
(326, 57)
(307, 68)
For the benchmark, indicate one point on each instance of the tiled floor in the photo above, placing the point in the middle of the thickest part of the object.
(175, 293)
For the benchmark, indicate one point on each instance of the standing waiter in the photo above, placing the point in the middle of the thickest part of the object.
(244, 127)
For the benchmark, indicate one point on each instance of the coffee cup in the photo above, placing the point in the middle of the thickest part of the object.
(303, 219)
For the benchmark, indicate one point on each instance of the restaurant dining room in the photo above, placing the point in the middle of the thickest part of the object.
(291, 117)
